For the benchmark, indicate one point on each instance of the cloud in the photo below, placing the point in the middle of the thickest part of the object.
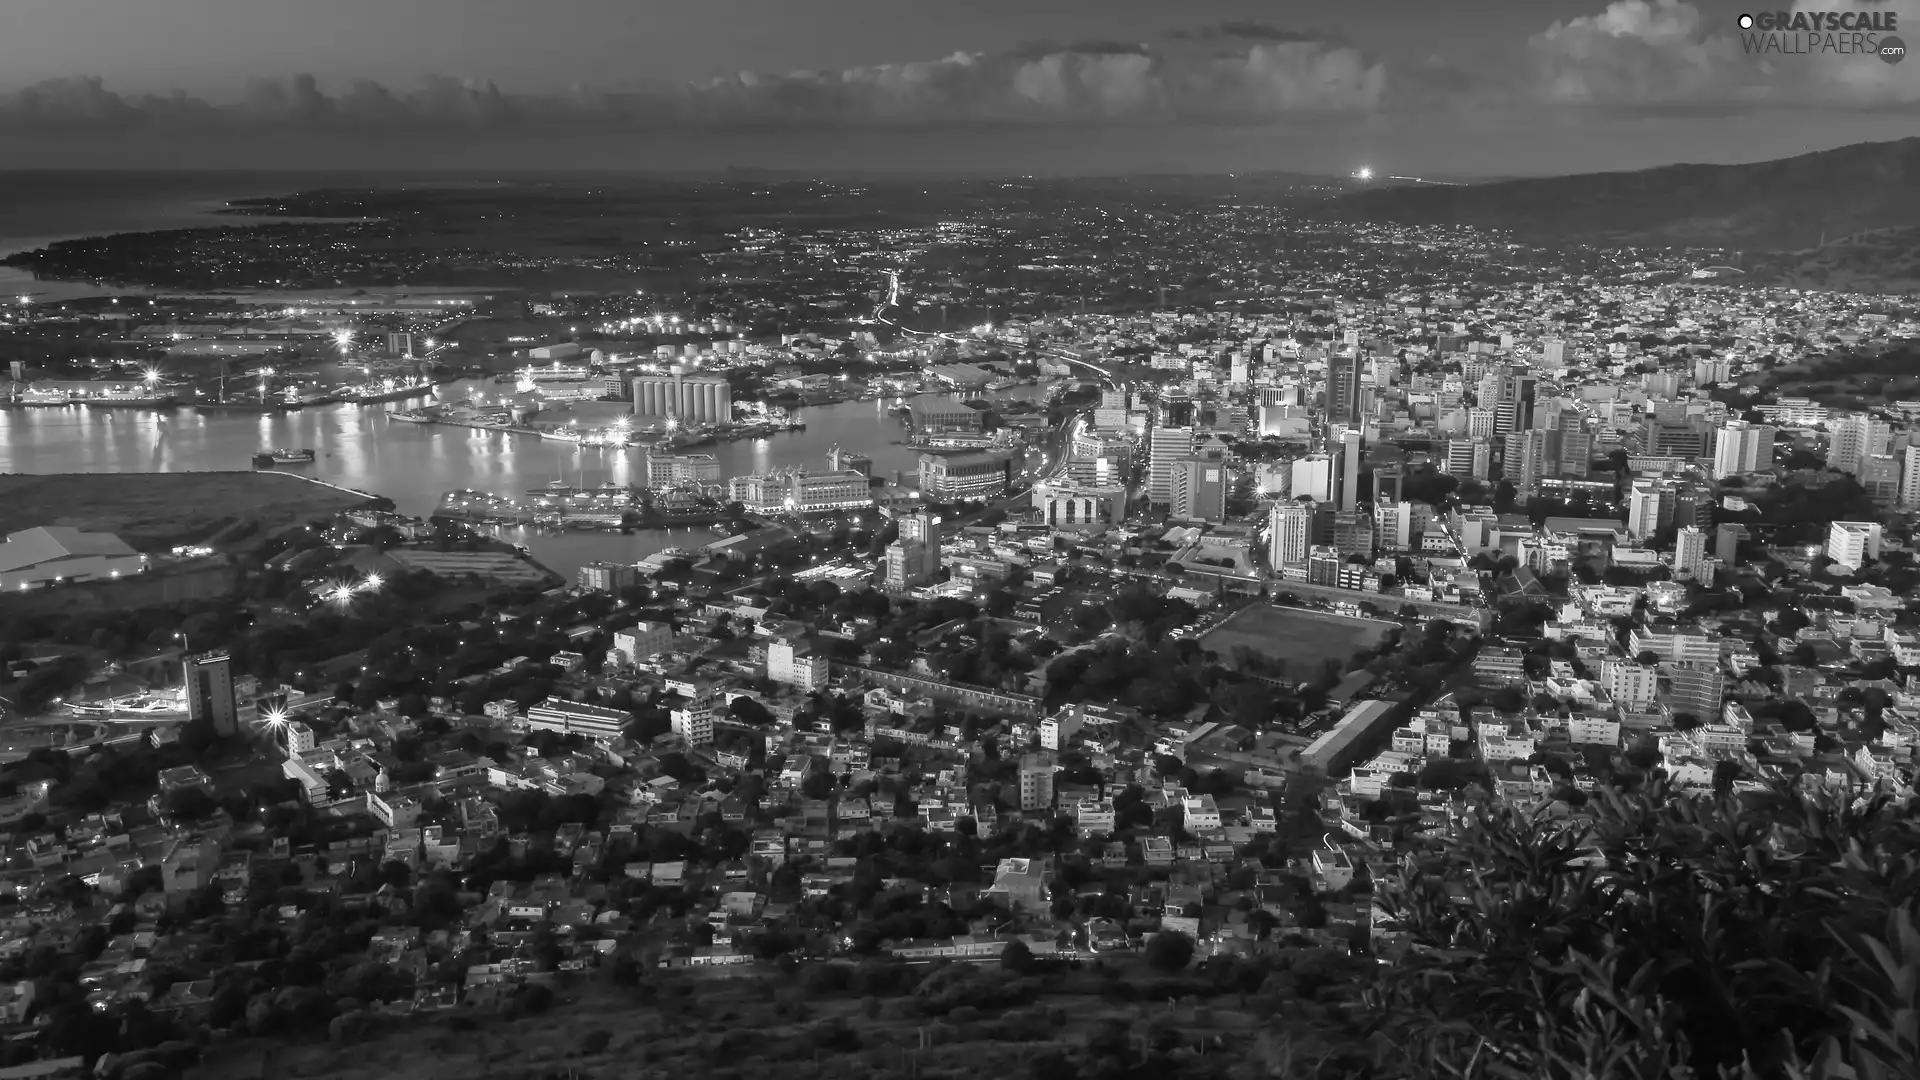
(1243, 74)
(1668, 56)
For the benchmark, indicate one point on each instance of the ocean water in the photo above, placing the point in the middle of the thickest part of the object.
(38, 208)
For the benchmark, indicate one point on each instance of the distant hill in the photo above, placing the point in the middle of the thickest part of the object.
(1790, 204)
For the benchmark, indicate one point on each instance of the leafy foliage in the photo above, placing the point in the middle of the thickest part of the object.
(1663, 936)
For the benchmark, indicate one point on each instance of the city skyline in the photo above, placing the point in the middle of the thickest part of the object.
(1056, 88)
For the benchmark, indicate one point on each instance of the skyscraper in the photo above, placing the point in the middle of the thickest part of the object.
(1344, 446)
(914, 558)
(1742, 448)
(1853, 438)
(1343, 388)
(1689, 551)
(1289, 533)
(1165, 447)
(1199, 490)
(210, 692)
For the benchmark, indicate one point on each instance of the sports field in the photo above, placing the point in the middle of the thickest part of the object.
(1302, 640)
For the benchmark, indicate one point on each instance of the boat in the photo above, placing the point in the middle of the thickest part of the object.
(272, 407)
(284, 456)
(375, 397)
(409, 417)
(561, 435)
(554, 489)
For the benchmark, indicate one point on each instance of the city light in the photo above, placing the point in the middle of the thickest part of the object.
(275, 718)
(1363, 173)
(372, 584)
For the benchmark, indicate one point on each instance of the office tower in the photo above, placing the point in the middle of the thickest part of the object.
(1353, 532)
(1343, 388)
(1726, 542)
(1313, 477)
(1879, 476)
(1695, 688)
(1910, 476)
(1176, 412)
(1683, 437)
(1689, 550)
(914, 558)
(1165, 447)
(1742, 448)
(1393, 525)
(1708, 371)
(1469, 458)
(1853, 544)
(1531, 456)
(1553, 354)
(1855, 437)
(1237, 369)
(681, 397)
(1388, 483)
(1199, 490)
(1344, 446)
(1649, 508)
(210, 692)
(1692, 505)
(1289, 533)
(1080, 507)
(1631, 684)
(1481, 421)
(1513, 399)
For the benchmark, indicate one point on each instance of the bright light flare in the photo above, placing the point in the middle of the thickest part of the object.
(275, 718)
(1363, 173)
(372, 584)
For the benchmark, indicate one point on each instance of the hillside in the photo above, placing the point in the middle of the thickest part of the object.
(1789, 204)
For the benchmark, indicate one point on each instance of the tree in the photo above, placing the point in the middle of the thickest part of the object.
(1169, 950)
(1016, 957)
(1574, 954)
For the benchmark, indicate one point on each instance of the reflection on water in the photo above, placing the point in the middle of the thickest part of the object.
(357, 446)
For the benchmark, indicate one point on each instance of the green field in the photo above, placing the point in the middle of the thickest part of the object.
(1302, 640)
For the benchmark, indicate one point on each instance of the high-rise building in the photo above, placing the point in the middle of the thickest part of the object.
(1353, 532)
(1854, 437)
(1689, 551)
(682, 397)
(1344, 447)
(1313, 477)
(1649, 508)
(1879, 476)
(672, 470)
(1289, 534)
(1576, 447)
(792, 662)
(1726, 542)
(1165, 447)
(1078, 507)
(1036, 781)
(914, 558)
(1468, 459)
(1199, 490)
(1695, 688)
(1531, 456)
(1632, 685)
(1853, 544)
(1910, 476)
(1690, 438)
(606, 577)
(642, 641)
(1742, 448)
(210, 700)
(1343, 387)
(1388, 483)
(976, 474)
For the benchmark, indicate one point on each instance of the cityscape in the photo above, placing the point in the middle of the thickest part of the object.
(1228, 623)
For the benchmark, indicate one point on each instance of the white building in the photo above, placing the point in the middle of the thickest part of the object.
(596, 722)
(641, 641)
(1289, 533)
(1742, 448)
(1853, 544)
(693, 721)
(793, 663)
(1689, 551)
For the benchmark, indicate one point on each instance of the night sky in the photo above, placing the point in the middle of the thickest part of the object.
(1413, 87)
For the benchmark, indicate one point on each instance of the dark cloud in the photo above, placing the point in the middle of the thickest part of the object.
(1096, 82)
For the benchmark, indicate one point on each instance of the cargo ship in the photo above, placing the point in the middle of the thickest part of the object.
(284, 456)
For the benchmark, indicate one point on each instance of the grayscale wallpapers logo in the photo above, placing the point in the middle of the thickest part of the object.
(1809, 33)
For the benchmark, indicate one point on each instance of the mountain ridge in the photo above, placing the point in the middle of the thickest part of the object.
(1787, 204)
